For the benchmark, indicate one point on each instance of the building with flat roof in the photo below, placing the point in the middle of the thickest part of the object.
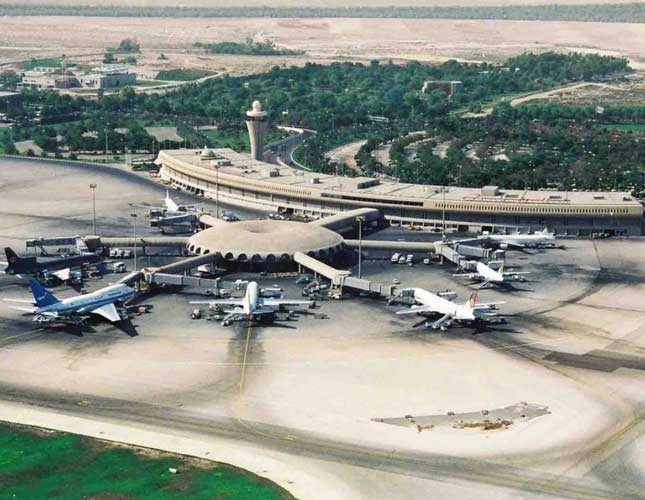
(239, 179)
(48, 79)
(107, 77)
(450, 87)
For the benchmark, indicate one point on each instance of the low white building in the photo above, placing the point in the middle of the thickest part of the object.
(109, 76)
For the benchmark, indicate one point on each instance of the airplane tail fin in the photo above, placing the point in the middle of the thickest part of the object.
(42, 296)
(13, 261)
(12, 257)
(472, 301)
(170, 204)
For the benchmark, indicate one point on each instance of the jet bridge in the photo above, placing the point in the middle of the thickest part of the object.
(65, 241)
(343, 279)
(332, 274)
(181, 280)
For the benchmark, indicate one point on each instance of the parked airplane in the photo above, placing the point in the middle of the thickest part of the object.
(489, 276)
(468, 313)
(47, 308)
(60, 267)
(518, 241)
(251, 305)
(170, 214)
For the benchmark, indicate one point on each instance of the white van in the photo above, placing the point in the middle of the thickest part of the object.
(395, 258)
(119, 267)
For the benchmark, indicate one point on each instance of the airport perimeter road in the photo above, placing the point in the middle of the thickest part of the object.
(294, 447)
(301, 402)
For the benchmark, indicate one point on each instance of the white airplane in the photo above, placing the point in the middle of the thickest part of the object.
(468, 313)
(518, 241)
(170, 213)
(47, 308)
(251, 305)
(497, 277)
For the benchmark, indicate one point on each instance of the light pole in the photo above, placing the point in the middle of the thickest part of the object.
(106, 146)
(217, 191)
(93, 188)
(360, 219)
(443, 214)
(134, 232)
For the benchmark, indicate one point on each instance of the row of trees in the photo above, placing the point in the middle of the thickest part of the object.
(380, 102)
(552, 151)
(616, 12)
(248, 48)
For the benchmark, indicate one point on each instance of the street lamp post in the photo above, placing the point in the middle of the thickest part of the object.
(93, 188)
(106, 146)
(443, 214)
(217, 190)
(134, 232)
(360, 219)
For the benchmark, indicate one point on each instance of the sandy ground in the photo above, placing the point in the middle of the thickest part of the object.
(300, 396)
(322, 39)
(297, 3)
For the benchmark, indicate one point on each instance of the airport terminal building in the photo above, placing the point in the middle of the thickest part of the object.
(238, 179)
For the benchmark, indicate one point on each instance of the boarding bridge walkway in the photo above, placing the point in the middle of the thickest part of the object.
(343, 279)
(181, 280)
(317, 267)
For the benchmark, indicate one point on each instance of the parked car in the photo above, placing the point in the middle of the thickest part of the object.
(230, 217)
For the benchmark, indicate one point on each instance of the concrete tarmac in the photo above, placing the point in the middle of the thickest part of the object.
(295, 401)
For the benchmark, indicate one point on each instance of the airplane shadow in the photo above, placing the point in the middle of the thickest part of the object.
(69, 329)
(127, 327)
(276, 324)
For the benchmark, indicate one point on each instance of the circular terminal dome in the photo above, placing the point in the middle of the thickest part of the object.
(265, 241)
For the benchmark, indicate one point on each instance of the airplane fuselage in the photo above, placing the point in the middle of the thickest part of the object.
(88, 302)
(31, 266)
(523, 240)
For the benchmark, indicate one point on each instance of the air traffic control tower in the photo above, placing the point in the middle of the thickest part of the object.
(256, 122)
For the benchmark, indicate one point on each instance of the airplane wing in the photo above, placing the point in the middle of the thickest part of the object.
(31, 310)
(108, 311)
(21, 301)
(62, 274)
(146, 206)
(469, 276)
(488, 305)
(175, 219)
(514, 245)
(219, 302)
(511, 273)
(417, 309)
(285, 302)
